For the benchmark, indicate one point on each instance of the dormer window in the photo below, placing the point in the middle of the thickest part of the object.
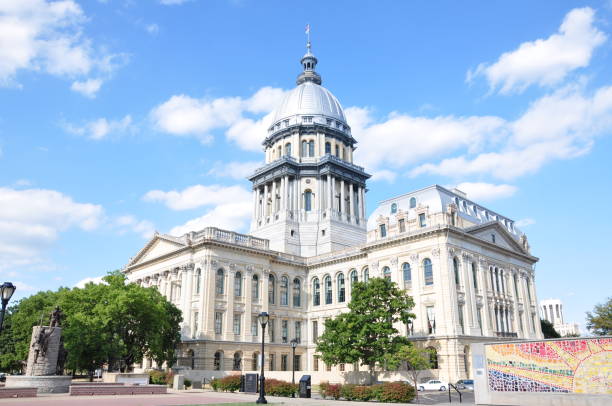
(338, 124)
(329, 122)
(412, 203)
(307, 119)
(394, 208)
(383, 230)
(422, 220)
(493, 238)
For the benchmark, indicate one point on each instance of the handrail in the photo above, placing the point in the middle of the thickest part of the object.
(449, 392)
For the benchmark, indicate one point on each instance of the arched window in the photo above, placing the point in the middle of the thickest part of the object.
(297, 293)
(475, 276)
(354, 277)
(304, 148)
(237, 366)
(308, 200)
(412, 203)
(387, 272)
(327, 148)
(456, 270)
(284, 291)
(288, 149)
(433, 357)
(219, 285)
(328, 289)
(238, 284)
(198, 281)
(271, 289)
(407, 274)
(366, 274)
(255, 362)
(255, 288)
(311, 148)
(341, 288)
(191, 356)
(428, 271)
(217, 363)
(316, 292)
(337, 150)
(393, 208)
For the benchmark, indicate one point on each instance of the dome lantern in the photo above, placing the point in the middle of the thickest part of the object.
(309, 63)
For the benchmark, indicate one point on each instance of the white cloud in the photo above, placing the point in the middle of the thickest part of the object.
(172, 2)
(182, 115)
(100, 128)
(32, 219)
(561, 125)
(486, 191)
(524, 222)
(95, 280)
(229, 216)
(234, 170)
(403, 139)
(383, 174)
(47, 36)
(88, 88)
(545, 62)
(129, 223)
(198, 196)
(152, 29)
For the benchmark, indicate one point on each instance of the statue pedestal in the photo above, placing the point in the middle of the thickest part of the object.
(44, 384)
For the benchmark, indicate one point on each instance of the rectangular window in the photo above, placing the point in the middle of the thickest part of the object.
(315, 331)
(218, 322)
(431, 320)
(254, 326)
(284, 331)
(298, 331)
(461, 319)
(307, 119)
(422, 221)
(328, 367)
(479, 314)
(297, 363)
(284, 359)
(402, 225)
(383, 231)
(315, 363)
(341, 367)
(237, 319)
(475, 276)
(272, 362)
(271, 329)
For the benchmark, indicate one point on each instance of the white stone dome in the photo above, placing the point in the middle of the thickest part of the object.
(309, 99)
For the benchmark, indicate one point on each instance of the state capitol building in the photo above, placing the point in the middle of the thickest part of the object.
(468, 268)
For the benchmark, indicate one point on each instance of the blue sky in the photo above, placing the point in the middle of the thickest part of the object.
(118, 118)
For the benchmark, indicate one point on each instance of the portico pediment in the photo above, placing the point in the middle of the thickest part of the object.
(494, 233)
(158, 245)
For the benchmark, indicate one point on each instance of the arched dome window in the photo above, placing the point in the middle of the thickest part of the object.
(328, 148)
(337, 151)
(387, 272)
(311, 149)
(328, 289)
(288, 149)
(341, 288)
(428, 272)
(307, 200)
(412, 203)
(238, 284)
(393, 208)
(304, 148)
(297, 293)
(316, 292)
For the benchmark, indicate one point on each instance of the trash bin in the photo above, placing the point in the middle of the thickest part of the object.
(305, 386)
(242, 383)
(250, 383)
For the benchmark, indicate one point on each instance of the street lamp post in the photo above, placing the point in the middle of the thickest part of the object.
(263, 320)
(293, 345)
(6, 291)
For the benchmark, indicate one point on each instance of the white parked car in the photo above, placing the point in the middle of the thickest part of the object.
(433, 385)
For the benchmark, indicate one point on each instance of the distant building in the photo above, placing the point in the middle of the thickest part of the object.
(468, 268)
(552, 310)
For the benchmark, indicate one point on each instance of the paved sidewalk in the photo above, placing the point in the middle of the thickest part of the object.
(174, 398)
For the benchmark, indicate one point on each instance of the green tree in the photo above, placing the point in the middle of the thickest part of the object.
(600, 321)
(367, 332)
(548, 329)
(416, 359)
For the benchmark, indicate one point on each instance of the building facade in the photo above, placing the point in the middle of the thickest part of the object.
(468, 268)
(552, 310)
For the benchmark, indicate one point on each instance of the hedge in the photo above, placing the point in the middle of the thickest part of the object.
(230, 383)
(160, 377)
(392, 392)
(276, 387)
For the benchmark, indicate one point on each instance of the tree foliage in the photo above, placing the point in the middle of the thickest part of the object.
(114, 323)
(367, 332)
(599, 322)
(416, 359)
(548, 330)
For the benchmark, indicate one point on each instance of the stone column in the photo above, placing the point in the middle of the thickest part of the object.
(351, 203)
(470, 295)
(248, 304)
(342, 208)
(203, 296)
(265, 202)
(274, 197)
(333, 186)
(330, 204)
(211, 294)
(286, 194)
(229, 313)
(363, 203)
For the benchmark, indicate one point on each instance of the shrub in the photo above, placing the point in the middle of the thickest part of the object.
(395, 392)
(362, 393)
(230, 383)
(187, 383)
(169, 378)
(215, 383)
(160, 377)
(347, 391)
(276, 387)
(333, 391)
(323, 388)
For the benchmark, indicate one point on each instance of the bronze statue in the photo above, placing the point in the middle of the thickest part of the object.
(41, 345)
(56, 317)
